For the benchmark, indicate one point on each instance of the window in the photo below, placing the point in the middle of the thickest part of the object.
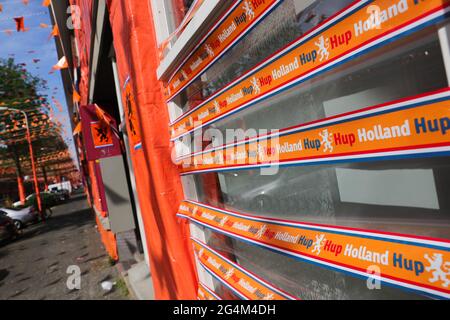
(407, 196)
(300, 279)
(285, 24)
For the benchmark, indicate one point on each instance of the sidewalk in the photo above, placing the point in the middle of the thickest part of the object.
(34, 267)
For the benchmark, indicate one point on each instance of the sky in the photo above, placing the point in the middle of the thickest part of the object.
(36, 39)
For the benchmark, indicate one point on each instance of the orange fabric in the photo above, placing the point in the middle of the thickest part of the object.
(109, 241)
(103, 116)
(77, 129)
(157, 178)
(20, 24)
(62, 64)
(55, 32)
(75, 96)
(101, 134)
(108, 238)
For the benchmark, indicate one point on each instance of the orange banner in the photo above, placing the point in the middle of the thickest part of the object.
(230, 28)
(205, 293)
(243, 283)
(415, 263)
(406, 127)
(361, 27)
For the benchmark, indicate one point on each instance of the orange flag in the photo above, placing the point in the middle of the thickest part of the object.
(76, 97)
(20, 24)
(1, 7)
(46, 3)
(58, 104)
(43, 25)
(55, 32)
(62, 64)
(102, 115)
(77, 129)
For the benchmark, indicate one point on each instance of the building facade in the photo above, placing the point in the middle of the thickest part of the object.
(267, 149)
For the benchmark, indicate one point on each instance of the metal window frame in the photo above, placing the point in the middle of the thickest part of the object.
(189, 35)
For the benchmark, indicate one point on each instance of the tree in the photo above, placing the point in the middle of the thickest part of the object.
(20, 90)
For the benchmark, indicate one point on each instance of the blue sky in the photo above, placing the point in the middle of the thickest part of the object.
(36, 39)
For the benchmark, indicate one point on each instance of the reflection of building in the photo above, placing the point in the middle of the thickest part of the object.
(350, 177)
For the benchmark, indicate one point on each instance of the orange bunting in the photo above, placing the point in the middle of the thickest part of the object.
(57, 104)
(1, 7)
(20, 24)
(43, 25)
(77, 129)
(55, 32)
(46, 3)
(103, 116)
(76, 97)
(62, 64)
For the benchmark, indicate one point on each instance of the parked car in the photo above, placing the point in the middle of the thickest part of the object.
(21, 217)
(48, 200)
(17, 204)
(8, 230)
(62, 194)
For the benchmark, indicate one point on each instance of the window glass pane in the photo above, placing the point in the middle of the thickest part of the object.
(177, 11)
(301, 279)
(401, 196)
(401, 69)
(290, 20)
(223, 292)
(408, 196)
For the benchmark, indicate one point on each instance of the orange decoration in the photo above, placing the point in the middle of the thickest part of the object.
(55, 32)
(20, 24)
(76, 97)
(101, 134)
(62, 64)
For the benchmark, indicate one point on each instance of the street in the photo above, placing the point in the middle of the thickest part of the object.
(35, 266)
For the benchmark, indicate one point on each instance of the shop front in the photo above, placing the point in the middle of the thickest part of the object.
(312, 140)
(294, 149)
